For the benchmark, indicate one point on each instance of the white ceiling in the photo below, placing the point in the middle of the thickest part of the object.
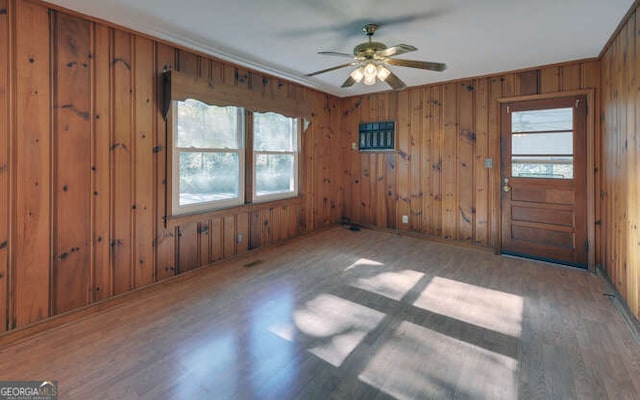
(281, 37)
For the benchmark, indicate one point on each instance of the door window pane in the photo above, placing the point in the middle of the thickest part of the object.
(542, 167)
(208, 177)
(542, 143)
(557, 119)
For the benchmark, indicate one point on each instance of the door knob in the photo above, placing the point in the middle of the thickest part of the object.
(506, 187)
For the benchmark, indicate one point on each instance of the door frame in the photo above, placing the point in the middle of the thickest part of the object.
(590, 162)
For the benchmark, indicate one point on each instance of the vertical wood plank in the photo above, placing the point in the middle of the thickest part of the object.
(466, 140)
(365, 164)
(495, 207)
(144, 117)
(426, 160)
(242, 230)
(101, 168)
(416, 134)
(230, 233)
(188, 246)
(550, 79)
(164, 238)
(449, 163)
(632, 86)
(187, 63)
(529, 82)
(122, 162)
(391, 198)
(481, 174)
(255, 237)
(336, 188)
(204, 243)
(5, 168)
(31, 241)
(216, 235)
(436, 190)
(635, 178)
(403, 130)
(72, 138)
(355, 161)
(571, 77)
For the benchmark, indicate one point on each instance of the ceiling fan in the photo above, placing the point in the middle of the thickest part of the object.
(373, 57)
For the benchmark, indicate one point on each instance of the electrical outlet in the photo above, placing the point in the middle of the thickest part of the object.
(405, 219)
(354, 146)
(240, 237)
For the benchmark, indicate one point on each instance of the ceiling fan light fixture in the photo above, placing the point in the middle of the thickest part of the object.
(357, 74)
(383, 73)
(369, 80)
(370, 70)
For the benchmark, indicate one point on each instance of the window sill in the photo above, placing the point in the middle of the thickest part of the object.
(171, 221)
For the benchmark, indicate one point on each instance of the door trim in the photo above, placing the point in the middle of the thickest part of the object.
(592, 122)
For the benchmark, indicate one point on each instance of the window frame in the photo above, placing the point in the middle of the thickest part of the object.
(255, 198)
(174, 163)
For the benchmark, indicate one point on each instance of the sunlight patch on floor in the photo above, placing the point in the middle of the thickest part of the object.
(209, 363)
(416, 362)
(487, 308)
(335, 326)
(394, 285)
(364, 262)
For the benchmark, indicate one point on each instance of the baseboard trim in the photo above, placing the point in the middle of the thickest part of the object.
(620, 304)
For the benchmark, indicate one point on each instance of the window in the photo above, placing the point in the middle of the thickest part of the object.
(275, 152)
(542, 143)
(208, 157)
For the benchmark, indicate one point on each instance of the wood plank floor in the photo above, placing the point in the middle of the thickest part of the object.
(353, 315)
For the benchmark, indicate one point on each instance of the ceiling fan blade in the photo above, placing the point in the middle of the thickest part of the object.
(396, 50)
(335, 53)
(349, 82)
(351, 28)
(432, 66)
(322, 71)
(395, 82)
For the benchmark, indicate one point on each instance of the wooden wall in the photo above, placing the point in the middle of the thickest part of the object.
(83, 165)
(621, 161)
(444, 133)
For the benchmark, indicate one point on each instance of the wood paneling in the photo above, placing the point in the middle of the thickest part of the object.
(32, 189)
(445, 132)
(5, 208)
(619, 210)
(72, 131)
(83, 152)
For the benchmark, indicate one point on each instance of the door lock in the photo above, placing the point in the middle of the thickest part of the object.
(506, 187)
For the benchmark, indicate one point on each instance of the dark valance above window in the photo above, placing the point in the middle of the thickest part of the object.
(180, 86)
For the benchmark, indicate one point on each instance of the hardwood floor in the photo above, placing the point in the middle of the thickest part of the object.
(341, 314)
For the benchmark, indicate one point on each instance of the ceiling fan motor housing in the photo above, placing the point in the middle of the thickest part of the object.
(367, 50)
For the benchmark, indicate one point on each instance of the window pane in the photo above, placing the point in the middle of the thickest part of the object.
(274, 132)
(542, 167)
(206, 127)
(274, 173)
(542, 143)
(557, 119)
(208, 177)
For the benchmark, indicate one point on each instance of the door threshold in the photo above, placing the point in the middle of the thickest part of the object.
(544, 261)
